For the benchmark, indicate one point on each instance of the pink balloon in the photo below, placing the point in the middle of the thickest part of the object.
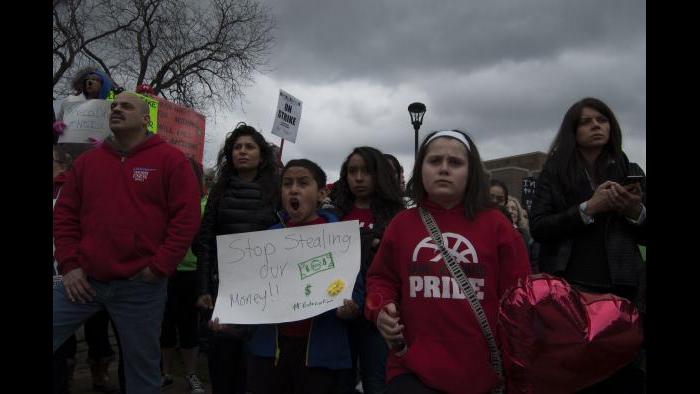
(558, 339)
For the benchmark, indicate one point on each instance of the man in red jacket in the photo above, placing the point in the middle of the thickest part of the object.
(125, 217)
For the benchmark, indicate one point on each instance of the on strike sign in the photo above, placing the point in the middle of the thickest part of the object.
(287, 117)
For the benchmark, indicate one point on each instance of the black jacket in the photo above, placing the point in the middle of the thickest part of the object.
(555, 222)
(239, 208)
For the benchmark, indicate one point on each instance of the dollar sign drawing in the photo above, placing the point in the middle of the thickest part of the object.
(307, 290)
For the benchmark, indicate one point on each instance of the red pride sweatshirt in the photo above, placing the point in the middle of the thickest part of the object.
(117, 214)
(446, 348)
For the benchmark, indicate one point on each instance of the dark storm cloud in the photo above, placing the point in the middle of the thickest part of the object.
(322, 41)
(505, 71)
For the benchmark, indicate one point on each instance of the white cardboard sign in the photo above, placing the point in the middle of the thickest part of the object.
(287, 117)
(85, 119)
(288, 274)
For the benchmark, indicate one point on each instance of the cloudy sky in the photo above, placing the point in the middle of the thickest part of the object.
(505, 71)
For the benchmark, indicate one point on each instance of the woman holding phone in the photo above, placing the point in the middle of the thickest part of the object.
(589, 218)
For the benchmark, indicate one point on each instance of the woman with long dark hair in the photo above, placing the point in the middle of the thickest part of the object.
(588, 219)
(243, 198)
(368, 191)
(367, 182)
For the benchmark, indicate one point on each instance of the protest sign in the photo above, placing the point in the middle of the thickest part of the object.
(153, 109)
(153, 112)
(288, 274)
(287, 117)
(57, 106)
(182, 127)
(85, 119)
(528, 192)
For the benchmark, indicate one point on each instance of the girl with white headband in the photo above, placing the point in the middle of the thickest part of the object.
(418, 306)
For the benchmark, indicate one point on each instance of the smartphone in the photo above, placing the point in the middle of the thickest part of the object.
(630, 179)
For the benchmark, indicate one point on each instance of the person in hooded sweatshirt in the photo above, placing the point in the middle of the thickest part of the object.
(436, 343)
(96, 328)
(124, 219)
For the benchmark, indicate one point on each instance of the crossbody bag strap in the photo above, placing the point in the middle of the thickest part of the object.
(468, 290)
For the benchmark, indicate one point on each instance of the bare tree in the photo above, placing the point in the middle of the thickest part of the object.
(196, 53)
(77, 24)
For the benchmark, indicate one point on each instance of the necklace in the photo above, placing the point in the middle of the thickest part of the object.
(590, 181)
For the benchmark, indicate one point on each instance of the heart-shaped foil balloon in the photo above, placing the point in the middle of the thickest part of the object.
(557, 339)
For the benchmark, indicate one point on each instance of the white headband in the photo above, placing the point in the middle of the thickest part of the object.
(450, 133)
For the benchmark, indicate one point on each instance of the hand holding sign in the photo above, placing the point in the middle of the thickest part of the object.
(85, 119)
(289, 274)
(348, 311)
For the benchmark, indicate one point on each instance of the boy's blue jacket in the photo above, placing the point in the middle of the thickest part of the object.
(328, 345)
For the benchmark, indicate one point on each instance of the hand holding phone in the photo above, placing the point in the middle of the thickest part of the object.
(632, 183)
(631, 179)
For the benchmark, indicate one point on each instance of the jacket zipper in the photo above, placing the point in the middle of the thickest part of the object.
(308, 342)
(607, 253)
(277, 345)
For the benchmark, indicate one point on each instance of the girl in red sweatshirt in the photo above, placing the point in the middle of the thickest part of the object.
(418, 307)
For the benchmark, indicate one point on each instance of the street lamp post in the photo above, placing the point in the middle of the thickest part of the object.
(416, 110)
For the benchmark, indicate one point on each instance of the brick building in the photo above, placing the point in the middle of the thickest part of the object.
(512, 169)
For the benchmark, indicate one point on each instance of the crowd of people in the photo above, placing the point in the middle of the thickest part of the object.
(135, 229)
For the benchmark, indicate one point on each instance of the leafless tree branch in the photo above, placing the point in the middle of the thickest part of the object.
(197, 53)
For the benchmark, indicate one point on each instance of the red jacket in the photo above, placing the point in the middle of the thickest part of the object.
(58, 183)
(446, 348)
(118, 214)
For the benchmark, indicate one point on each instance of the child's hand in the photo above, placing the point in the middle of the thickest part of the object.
(348, 311)
(241, 331)
(388, 325)
(225, 328)
(205, 302)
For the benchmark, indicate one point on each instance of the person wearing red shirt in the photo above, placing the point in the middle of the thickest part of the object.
(411, 294)
(369, 193)
(124, 219)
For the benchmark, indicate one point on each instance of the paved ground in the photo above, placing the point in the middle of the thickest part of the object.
(82, 381)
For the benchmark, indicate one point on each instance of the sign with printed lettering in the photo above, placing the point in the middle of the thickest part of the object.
(85, 119)
(528, 192)
(152, 109)
(288, 274)
(287, 117)
(182, 127)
